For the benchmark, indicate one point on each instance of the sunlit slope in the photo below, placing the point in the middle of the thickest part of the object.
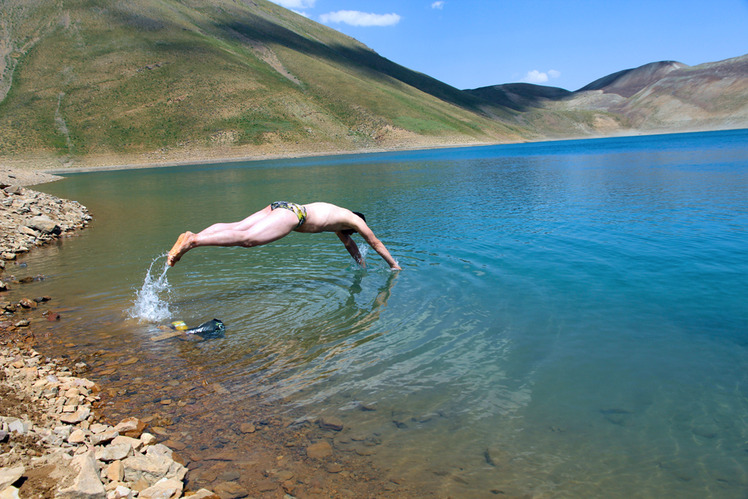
(96, 78)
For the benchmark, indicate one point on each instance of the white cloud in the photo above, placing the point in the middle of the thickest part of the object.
(438, 5)
(295, 4)
(536, 76)
(356, 18)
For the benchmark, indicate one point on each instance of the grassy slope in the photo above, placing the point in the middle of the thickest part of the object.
(129, 78)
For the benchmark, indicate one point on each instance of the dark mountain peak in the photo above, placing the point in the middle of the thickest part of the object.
(519, 96)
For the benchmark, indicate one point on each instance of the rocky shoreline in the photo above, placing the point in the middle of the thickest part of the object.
(51, 444)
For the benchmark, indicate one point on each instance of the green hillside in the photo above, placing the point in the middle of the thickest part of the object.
(96, 81)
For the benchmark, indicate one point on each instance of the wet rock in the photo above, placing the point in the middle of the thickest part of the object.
(247, 428)
(334, 468)
(130, 427)
(320, 450)
(266, 486)
(330, 423)
(9, 476)
(230, 490)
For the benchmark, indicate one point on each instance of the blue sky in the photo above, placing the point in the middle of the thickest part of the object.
(568, 44)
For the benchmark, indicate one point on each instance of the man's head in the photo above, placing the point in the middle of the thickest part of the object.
(348, 232)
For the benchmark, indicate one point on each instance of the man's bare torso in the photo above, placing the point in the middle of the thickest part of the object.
(326, 217)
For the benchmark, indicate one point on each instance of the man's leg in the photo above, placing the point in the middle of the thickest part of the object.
(262, 230)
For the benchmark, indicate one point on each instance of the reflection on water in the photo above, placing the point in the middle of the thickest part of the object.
(570, 319)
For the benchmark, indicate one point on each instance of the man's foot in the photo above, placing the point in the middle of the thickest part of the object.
(180, 248)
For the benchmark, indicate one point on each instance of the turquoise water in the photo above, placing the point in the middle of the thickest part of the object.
(571, 318)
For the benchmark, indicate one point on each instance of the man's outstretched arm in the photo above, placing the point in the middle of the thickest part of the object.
(378, 246)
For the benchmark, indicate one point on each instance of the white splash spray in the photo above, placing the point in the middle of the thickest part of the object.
(149, 305)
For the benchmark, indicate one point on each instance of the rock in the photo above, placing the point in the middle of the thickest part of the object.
(334, 468)
(87, 485)
(3, 436)
(150, 469)
(120, 492)
(230, 490)
(9, 493)
(45, 225)
(330, 423)
(80, 415)
(22, 323)
(203, 494)
(115, 471)
(320, 450)
(113, 452)
(8, 256)
(77, 436)
(19, 426)
(27, 303)
(148, 439)
(52, 316)
(9, 476)
(103, 437)
(135, 443)
(4, 287)
(247, 428)
(130, 427)
(163, 489)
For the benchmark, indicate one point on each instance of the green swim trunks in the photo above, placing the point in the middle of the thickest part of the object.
(298, 210)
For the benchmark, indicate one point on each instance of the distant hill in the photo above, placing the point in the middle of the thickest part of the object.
(104, 81)
(96, 82)
(663, 96)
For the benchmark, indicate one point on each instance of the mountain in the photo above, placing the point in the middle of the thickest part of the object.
(104, 81)
(96, 82)
(663, 96)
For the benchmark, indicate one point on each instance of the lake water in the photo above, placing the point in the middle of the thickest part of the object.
(571, 319)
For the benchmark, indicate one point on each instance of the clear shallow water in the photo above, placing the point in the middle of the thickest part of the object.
(571, 318)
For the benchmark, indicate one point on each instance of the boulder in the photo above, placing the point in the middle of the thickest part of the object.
(163, 489)
(87, 484)
(45, 225)
(9, 476)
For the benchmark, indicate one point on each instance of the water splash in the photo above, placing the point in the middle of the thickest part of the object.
(149, 305)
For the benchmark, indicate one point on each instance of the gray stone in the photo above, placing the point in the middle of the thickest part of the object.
(9, 476)
(18, 426)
